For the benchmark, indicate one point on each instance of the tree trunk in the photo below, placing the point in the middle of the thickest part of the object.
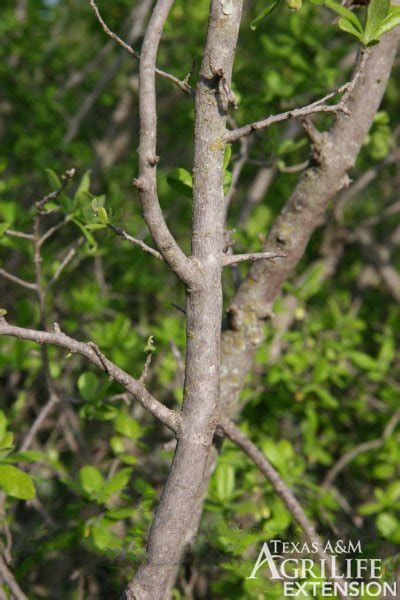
(172, 527)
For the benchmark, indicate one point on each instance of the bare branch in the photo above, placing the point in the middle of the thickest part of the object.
(319, 106)
(66, 178)
(52, 230)
(68, 258)
(8, 578)
(136, 242)
(18, 234)
(40, 419)
(232, 259)
(183, 85)
(17, 280)
(148, 159)
(305, 111)
(169, 417)
(361, 449)
(112, 35)
(284, 492)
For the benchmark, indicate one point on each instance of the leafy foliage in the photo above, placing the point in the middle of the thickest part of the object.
(320, 388)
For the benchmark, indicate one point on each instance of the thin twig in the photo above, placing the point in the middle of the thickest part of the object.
(319, 106)
(54, 229)
(232, 259)
(146, 368)
(361, 449)
(8, 578)
(183, 85)
(65, 262)
(125, 236)
(315, 107)
(18, 234)
(38, 422)
(17, 280)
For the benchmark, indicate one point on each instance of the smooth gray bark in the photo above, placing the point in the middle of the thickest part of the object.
(172, 527)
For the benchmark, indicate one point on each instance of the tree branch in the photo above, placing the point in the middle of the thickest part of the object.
(183, 85)
(233, 259)
(349, 456)
(8, 578)
(17, 280)
(39, 420)
(18, 234)
(235, 435)
(169, 417)
(148, 159)
(136, 242)
(319, 106)
(68, 258)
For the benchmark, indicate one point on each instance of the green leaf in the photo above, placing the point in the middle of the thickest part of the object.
(127, 459)
(3, 228)
(84, 185)
(181, 181)
(264, 13)
(91, 480)
(363, 361)
(348, 27)
(117, 514)
(295, 4)
(88, 386)
(117, 444)
(125, 425)
(51, 206)
(386, 523)
(53, 178)
(90, 239)
(225, 478)
(16, 483)
(391, 21)
(30, 456)
(345, 13)
(103, 216)
(6, 442)
(117, 483)
(94, 226)
(227, 181)
(378, 10)
(3, 424)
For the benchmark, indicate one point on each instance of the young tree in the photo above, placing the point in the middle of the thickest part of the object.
(218, 359)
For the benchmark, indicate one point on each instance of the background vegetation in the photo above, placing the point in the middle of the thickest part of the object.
(326, 383)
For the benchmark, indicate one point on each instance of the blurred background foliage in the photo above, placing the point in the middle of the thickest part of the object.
(76, 505)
